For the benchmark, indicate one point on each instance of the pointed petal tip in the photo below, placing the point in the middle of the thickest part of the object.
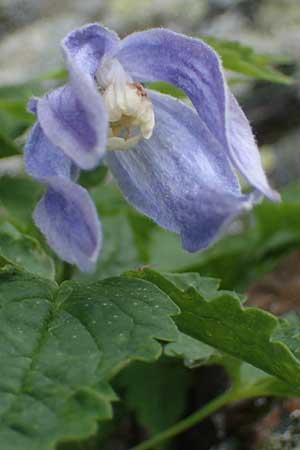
(32, 105)
(87, 265)
(89, 162)
(84, 264)
(267, 192)
(274, 196)
(194, 239)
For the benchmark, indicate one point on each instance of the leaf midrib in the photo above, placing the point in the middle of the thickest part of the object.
(43, 332)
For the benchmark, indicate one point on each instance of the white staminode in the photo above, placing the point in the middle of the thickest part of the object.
(131, 116)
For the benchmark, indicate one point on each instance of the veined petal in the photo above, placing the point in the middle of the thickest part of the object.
(195, 68)
(181, 177)
(87, 45)
(74, 118)
(67, 217)
(43, 159)
(187, 63)
(66, 214)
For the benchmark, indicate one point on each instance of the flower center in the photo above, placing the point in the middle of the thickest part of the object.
(131, 116)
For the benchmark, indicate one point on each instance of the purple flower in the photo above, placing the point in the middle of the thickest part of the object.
(173, 162)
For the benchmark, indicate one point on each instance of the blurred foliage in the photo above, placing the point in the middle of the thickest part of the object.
(244, 60)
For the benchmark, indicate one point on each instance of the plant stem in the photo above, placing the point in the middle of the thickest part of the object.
(67, 272)
(189, 421)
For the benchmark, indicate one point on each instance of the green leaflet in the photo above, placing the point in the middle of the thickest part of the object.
(249, 334)
(24, 251)
(60, 345)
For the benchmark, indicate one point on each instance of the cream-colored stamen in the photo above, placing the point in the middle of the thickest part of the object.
(131, 115)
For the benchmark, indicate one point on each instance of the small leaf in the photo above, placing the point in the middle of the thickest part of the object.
(24, 251)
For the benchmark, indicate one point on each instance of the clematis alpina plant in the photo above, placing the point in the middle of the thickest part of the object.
(175, 163)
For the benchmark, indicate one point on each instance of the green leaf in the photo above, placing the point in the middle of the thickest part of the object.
(128, 320)
(20, 91)
(192, 351)
(166, 88)
(249, 334)
(119, 252)
(60, 74)
(18, 197)
(289, 332)
(249, 381)
(17, 110)
(24, 251)
(246, 380)
(59, 346)
(7, 146)
(125, 234)
(160, 402)
(242, 59)
(108, 200)
(14, 117)
(208, 287)
(166, 253)
(91, 178)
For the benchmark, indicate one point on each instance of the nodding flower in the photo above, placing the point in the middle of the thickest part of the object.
(175, 163)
